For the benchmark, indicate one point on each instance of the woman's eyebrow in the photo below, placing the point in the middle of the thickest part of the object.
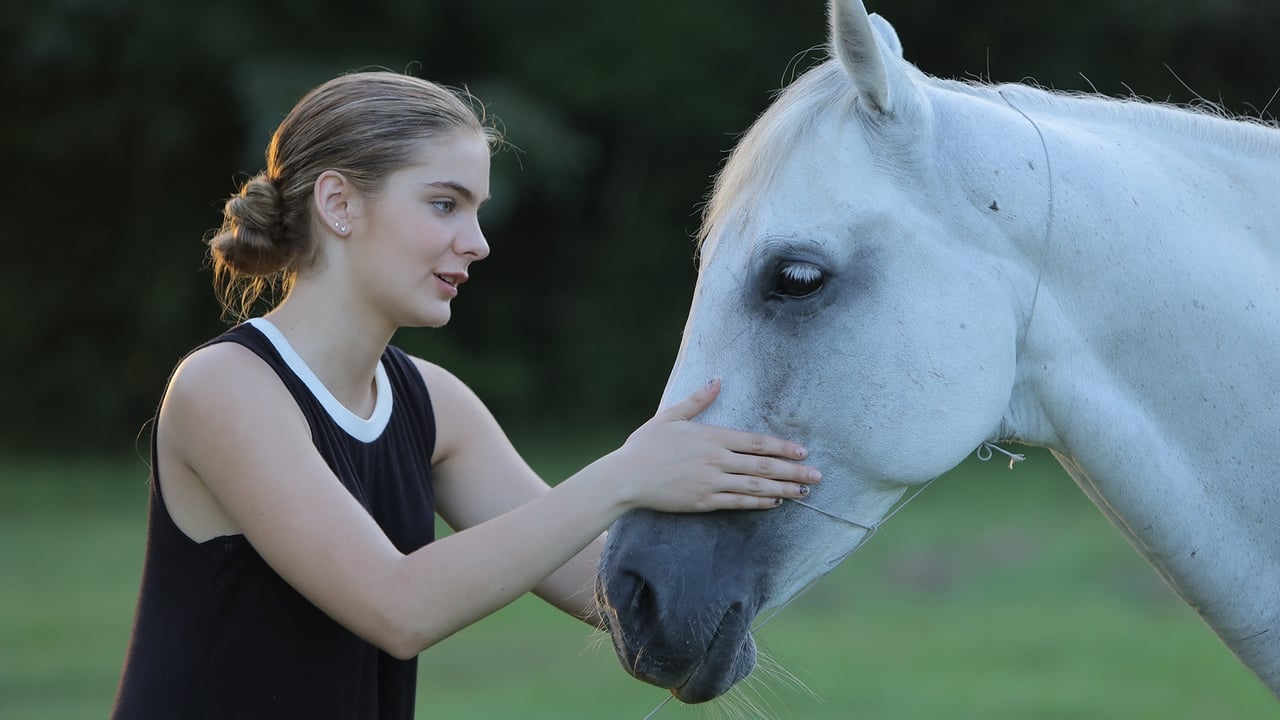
(457, 187)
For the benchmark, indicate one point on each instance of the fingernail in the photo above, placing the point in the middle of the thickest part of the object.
(777, 502)
(804, 490)
(712, 382)
(801, 451)
(814, 475)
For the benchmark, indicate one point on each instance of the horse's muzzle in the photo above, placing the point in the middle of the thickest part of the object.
(697, 660)
(680, 617)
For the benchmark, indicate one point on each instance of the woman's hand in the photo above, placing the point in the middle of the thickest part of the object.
(675, 465)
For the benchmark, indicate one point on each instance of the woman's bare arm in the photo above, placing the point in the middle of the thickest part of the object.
(478, 474)
(229, 420)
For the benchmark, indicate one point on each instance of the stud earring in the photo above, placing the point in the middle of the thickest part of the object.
(341, 228)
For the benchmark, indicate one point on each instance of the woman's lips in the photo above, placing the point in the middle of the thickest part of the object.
(451, 281)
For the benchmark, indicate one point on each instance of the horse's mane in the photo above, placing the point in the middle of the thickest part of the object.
(797, 108)
(1199, 119)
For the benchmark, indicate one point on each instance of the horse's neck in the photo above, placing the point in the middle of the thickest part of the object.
(1150, 365)
(1160, 285)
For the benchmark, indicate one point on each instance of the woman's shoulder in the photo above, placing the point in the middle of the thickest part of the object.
(226, 377)
(462, 419)
(218, 365)
(442, 383)
(222, 401)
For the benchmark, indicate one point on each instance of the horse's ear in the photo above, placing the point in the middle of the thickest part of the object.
(870, 51)
(888, 36)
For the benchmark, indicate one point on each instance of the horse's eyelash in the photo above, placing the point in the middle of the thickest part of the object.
(802, 272)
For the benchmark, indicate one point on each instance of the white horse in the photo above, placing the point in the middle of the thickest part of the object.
(897, 269)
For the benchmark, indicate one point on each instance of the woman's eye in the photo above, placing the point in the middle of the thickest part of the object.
(444, 205)
(797, 280)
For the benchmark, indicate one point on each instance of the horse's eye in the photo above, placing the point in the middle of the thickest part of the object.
(797, 280)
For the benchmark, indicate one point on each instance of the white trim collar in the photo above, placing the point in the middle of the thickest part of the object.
(364, 430)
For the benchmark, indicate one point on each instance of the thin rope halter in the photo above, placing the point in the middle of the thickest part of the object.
(984, 453)
(1049, 215)
(870, 532)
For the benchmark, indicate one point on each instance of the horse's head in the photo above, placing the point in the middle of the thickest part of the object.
(844, 298)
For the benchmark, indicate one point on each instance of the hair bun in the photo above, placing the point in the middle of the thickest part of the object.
(257, 207)
(251, 240)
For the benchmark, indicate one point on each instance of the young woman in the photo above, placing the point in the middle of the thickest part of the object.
(298, 459)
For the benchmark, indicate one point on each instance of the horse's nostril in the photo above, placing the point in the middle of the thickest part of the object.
(643, 601)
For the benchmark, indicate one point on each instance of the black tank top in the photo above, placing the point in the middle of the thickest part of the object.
(218, 634)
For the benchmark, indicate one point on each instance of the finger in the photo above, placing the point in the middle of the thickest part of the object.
(761, 444)
(738, 501)
(762, 469)
(701, 399)
(776, 489)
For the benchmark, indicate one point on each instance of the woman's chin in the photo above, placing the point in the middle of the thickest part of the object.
(438, 315)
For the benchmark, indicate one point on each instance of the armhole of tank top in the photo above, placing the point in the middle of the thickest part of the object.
(419, 393)
(217, 542)
(214, 544)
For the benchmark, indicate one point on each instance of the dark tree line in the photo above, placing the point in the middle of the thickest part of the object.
(129, 121)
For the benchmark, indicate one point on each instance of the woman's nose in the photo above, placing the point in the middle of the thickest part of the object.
(473, 243)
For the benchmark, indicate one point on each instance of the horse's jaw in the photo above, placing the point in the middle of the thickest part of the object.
(679, 593)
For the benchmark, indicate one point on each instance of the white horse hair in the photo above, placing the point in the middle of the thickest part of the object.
(896, 269)
(760, 152)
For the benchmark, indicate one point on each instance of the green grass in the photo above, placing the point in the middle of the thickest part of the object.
(997, 594)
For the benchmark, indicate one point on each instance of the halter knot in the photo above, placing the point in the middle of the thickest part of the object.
(984, 453)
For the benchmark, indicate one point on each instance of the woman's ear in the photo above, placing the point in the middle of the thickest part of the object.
(337, 201)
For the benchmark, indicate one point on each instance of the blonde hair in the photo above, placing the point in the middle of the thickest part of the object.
(364, 125)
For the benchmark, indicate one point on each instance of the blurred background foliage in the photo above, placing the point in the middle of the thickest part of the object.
(127, 122)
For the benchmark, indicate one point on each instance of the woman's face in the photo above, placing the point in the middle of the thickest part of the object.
(421, 231)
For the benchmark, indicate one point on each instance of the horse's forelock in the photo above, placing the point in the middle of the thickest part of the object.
(756, 159)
